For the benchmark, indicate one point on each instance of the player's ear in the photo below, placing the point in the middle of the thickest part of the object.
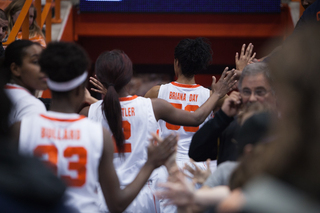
(15, 70)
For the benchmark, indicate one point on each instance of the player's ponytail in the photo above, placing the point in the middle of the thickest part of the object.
(114, 71)
(112, 111)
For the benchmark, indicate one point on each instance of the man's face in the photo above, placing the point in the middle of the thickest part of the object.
(256, 88)
(307, 3)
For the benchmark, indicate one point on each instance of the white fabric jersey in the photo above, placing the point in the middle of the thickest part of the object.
(138, 124)
(23, 103)
(72, 145)
(185, 97)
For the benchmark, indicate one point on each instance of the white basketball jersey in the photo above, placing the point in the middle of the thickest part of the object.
(72, 146)
(138, 124)
(185, 97)
(23, 102)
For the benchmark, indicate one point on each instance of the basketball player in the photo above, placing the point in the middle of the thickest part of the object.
(78, 150)
(191, 56)
(23, 77)
(138, 116)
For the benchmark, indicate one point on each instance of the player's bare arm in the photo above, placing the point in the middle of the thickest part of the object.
(117, 199)
(165, 111)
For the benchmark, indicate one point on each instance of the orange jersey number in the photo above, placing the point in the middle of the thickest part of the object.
(126, 127)
(190, 108)
(79, 166)
(52, 153)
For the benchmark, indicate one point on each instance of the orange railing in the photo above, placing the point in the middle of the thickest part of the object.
(44, 17)
(21, 22)
(57, 9)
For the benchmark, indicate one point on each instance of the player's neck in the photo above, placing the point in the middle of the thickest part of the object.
(123, 92)
(65, 105)
(20, 83)
(184, 80)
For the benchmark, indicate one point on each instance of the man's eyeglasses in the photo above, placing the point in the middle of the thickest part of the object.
(258, 92)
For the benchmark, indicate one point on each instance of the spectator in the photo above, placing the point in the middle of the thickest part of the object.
(289, 172)
(255, 86)
(35, 34)
(3, 29)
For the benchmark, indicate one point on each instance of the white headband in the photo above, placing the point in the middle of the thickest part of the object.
(68, 85)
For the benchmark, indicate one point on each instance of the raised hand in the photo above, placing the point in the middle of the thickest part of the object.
(232, 104)
(88, 98)
(99, 87)
(160, 153)
(198, 175)
(225, 84)
(245, 57)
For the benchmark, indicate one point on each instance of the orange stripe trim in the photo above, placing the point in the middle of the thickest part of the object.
(128, 98)
(185, 85)
(63, 120)
(13, 87)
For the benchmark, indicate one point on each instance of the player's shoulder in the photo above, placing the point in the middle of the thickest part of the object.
(153, 92)
(17, 94)
(96, 105)
(29, 105)
(94, 109)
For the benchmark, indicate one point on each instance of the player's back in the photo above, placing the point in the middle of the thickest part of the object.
(138, 124)
(72, 146)
(186, 97)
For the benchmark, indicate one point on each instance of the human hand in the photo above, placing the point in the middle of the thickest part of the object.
(232, 104)
(238, 74)
(165, 148)
(100, 88)
(245, 57)
(198, 175)
(177, 190)
(225, 84)
(88, 98)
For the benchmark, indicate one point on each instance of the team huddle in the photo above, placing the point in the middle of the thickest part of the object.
(180, 148)
(108, 154)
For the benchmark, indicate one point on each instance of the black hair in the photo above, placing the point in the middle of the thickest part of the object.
(193, 55)
(63, 61)
(5, 108)
(114, 71)
(14, 54)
